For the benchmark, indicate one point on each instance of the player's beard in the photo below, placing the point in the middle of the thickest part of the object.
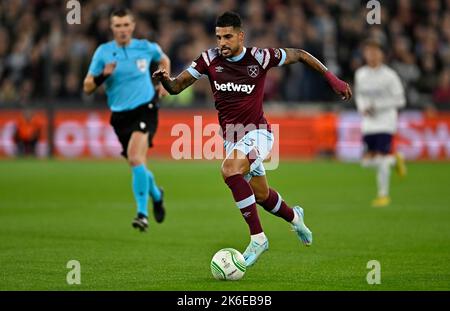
(229, 51)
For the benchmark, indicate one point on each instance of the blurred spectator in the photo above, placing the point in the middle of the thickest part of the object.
(71, 89)
(404, 63)
(441, 94)
(8, 92)
(28, 130)
(428, 77)
(38, 47)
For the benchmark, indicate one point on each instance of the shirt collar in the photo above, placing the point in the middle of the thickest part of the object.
(124, 46)
(237, 57)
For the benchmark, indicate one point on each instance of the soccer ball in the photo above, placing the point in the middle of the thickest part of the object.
(228, 264)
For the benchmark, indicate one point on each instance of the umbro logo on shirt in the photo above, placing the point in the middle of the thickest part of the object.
(142, 125)
(219, 69)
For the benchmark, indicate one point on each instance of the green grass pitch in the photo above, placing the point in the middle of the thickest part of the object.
(55, 211)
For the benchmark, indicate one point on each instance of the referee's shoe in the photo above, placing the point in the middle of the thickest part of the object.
(140, 222)
(159, 211)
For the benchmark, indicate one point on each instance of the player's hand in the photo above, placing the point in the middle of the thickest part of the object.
(161, 74)
(346, 94)
(109, 69)
(369, 111)
(339, 87)
(161, 91)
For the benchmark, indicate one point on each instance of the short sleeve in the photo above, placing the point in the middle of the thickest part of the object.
(97, 63)
(269, 57)
(155, 51)
(199, 66)
(277, 57)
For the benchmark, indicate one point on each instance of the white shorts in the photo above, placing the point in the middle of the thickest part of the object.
(256, 145)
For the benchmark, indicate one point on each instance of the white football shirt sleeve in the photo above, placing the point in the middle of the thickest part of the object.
(362, 102)
(396, 94)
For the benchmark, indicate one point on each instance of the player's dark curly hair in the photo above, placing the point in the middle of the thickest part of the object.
(228, 19)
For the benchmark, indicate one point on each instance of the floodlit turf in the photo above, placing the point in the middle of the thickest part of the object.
(55, 211)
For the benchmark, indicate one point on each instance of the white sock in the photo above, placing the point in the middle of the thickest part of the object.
(383, 174)
(259, 238)
(390, 159)
(368, 162)
(373, 162)
(295, 220)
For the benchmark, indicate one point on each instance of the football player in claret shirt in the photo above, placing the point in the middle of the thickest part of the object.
(237, 75)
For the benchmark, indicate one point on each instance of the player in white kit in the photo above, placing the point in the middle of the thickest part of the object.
(379, 94)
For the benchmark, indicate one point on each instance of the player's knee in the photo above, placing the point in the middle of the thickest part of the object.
(135, 160)
(261, 195)
(230, 168)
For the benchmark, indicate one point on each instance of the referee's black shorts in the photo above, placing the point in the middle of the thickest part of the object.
(143, 118)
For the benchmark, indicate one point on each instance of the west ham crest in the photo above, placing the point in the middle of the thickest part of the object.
(253, 71)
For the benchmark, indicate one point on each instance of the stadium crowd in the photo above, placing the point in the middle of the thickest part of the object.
(42, 57)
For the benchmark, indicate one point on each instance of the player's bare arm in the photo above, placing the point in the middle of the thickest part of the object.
(164, 63)
(174, 85)
(298, 55)
(91, 83)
